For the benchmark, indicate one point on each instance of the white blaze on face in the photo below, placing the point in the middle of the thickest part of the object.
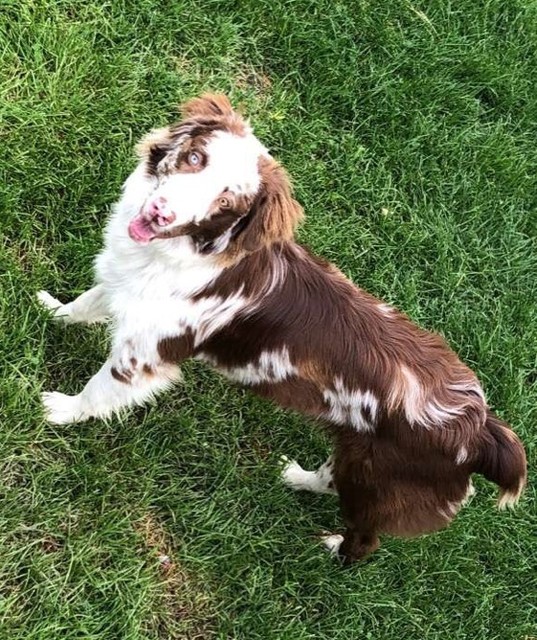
(231, 163)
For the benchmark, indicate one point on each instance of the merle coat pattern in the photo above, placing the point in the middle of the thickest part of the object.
(200, 262)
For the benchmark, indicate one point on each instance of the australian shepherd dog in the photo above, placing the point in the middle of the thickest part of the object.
(200, 261)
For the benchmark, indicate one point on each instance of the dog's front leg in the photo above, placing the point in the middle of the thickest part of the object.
(89, 307)
(133, 373)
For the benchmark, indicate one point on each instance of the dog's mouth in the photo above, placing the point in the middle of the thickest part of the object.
(142, 230)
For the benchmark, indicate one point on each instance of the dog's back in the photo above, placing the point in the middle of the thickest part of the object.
(409, 419)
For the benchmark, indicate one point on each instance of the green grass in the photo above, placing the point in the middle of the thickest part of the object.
(410, 131)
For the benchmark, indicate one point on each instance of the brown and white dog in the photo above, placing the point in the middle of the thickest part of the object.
(200, 262)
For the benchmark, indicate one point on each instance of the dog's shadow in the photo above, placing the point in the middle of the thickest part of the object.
(71, 354)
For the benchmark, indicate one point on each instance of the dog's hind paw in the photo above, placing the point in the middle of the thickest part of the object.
(332, 542)
(292, 474)
(61, 408)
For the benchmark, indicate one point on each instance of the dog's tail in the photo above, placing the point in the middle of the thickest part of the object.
(502, 460)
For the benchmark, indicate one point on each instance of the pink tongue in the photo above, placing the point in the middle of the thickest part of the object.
(140, 230)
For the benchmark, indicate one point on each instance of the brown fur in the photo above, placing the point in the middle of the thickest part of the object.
(408, 470)
(275, 214)
(403, 479)
(208, 105)
(214, 105)
(227, 211)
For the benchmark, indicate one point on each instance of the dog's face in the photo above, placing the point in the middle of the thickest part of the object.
(213, 183)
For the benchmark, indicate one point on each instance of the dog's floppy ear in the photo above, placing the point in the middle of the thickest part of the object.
(155, 138)
(274, 214)
(208, 105)
(153, 147)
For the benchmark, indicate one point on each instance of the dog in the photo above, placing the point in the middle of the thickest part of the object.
(200, 261)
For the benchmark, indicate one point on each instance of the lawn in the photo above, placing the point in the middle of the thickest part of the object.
(409, 129)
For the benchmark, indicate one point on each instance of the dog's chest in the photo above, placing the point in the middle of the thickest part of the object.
(151, 296)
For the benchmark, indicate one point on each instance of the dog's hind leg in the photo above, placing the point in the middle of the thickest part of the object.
(89, 307)
(297, 478)
(357, 544)
(362, 504)
(359, 508)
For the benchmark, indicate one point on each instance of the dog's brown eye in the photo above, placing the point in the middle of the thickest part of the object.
(194, 159)
(225, 203)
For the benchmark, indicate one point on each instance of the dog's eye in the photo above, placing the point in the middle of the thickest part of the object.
(194, 159)
(224, 202)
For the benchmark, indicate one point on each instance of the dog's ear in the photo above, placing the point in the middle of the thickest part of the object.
(153, 147)
(155, 138)
(274, 214)
(208, 105)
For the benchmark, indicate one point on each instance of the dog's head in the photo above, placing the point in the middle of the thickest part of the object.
(213, 183)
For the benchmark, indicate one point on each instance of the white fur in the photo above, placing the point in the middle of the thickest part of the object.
(423, 408)
(386, 309)
(509, 499)
(470, 492)
(298, 479)
(146, 290)
(215, 312)
(462, 455)
(332, 543)
(232, 164)
(271, 366)
(278, 275)
(49, 302)
(104, 395)
(346, 406)
(452, 508)
(449, 510)
(62, 409)
(89, 307)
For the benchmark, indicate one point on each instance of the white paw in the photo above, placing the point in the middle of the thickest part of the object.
(52, 304)
(293, 475)
(61, 408)
(332, 542)
(48, 301)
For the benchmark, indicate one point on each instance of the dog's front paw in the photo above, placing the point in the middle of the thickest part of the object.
(52, 304)
(61, 409)
(48, 301)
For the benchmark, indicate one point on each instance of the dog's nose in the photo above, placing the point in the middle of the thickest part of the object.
(158, 211)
